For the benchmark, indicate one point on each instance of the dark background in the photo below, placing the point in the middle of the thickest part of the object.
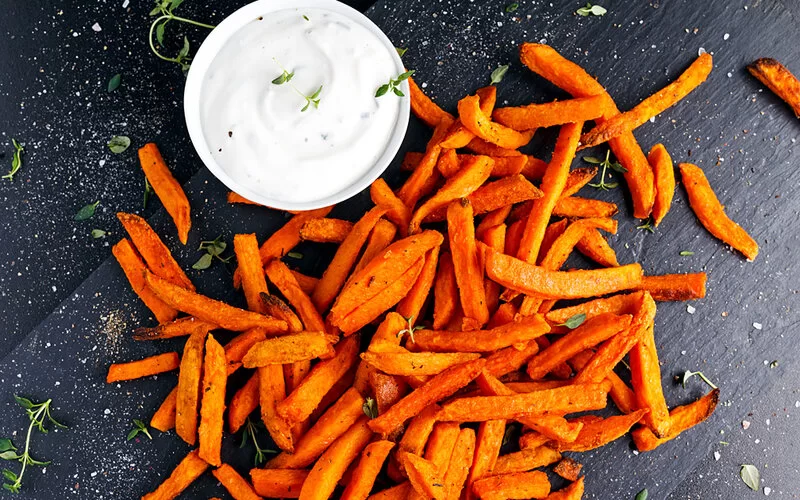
(54, 69)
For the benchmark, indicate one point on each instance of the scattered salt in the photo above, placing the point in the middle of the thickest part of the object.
(717, 455)
(107, 411)
(75, 34)
(767, 421)
(690, 309)
(726, 36)
(797, 404)
(125, 4)
(102, 162)
(652, 119)
(96, 28)
(767, 491)
(701, 51)
(757, 326)
(745, 424)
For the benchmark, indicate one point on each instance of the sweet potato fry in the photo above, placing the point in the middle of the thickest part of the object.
(578, 178)
(164, 418)
(531, 440)
(459, 136)
(681, 418)
(152, 365)
(572, 492)
(400, 491)
(596, 433)
(495, 195)
(436, 388)
(525, 460)
(367, 470)
(299, 404)
(210, 310)
(325, 230)
(487, 449)
(779, 80)
(492, 219)
(382, 272)
(332, 424)
(243, 403)
(189, 469)
(482, 147)
(181, 327)
(440, 445)
(575, 206)
(278, 483)
(286, 349)
(215, 376)
(503, 165)
(568, 468)
(420, 180)
(646, 382)
(448, 164)
(589, 334)
(280, 276)
(416, 363)
(275, 307)
(425, 477)
(578, 110)
(546, 62)
(396, 210)
(324, 476)
(613, 350)
(616, 304)
(238, 346)
(334, 277)
(470, 177)
(532, 484)
(616, 125)
(307, 283)
(424, 108)
(237, 198)
(272, 391)
(387, 389)
(711, 213)
(527, 328)
(382, 236)
(154, 252)
(534, 168)
(469, 276)
(459, 465)
(236, 485)
(252, 273)
(676, 287)
(411, 305)
(386, 338)
(595, 246)
(533, 280)
(288, 236)
(167, 188)
(134, 269)
(664, 173)
(471, 116)
(553, 182)
(510, 359)
(573, 398)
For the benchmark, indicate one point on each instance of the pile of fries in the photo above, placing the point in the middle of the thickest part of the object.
(470, 335)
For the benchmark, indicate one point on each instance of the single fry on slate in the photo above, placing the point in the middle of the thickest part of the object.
(167, 188)
(779, 80)
(152, 365)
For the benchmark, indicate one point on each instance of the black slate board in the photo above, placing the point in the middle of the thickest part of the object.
(454, 47)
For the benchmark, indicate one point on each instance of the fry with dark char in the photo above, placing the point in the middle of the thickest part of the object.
(779, 80)
(180, 327)
(675, 287)
(681, 418)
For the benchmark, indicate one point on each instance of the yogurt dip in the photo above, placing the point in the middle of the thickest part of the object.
(288, 109)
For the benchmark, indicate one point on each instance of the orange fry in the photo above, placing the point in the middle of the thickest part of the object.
(779, 80)
(646, 382)
(167, 188)
(578, 178)
(236, 485)
(286, 349)
(572, 492)
(459, 136)
(616, 125)
(681, 418)
(411, 305)
(396, 211)
(210, 310)
(275, 307)
(416, 363)
(288, 236)
(445, 292)
(238, 346)
(382, 236)
(189, 469)
(307, 283)
(253, 283)
(616, 304)
(421, 178)
(676, 287)
(578, 110)
(152, 365)
(424, 108)
(532, 484)
(510, 359)
(271, 391)
(495, 195)
(487, 449)
(367, 470)
(460, 463)
(595, 246)
(278, 483)
(134, 269)
(325, 230)
(574, 206)
(153, 250)
(599, 432)
(482, 147)
(469, 276)
(237, 198)
(533, 280)
(189, 380)
(664, 173)
(425, 476)
(215, 376)
(164, 418)
(470, 114)
(243, 403)
(525, 460)
(568, 468)
(280, 276)
(180, 327)
(711, 213)
(526, 328)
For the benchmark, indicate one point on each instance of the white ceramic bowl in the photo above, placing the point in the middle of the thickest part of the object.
(216, 40)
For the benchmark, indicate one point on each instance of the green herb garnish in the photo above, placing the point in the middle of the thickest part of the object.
(750, 476)
(401, 51)
(38, 414)
(393, 83)
(606, 164)
(98, 233)
(642, 495)
(686, 253)
(306, 17)
(213, 250)
(295, 255)
(311, 99)
(119, 143)
(283, 78)
(286, 77)
(498, 74)
(114, 83)
(410, 329)
(647, 225)
(139, 427)
(16, 160)
(370, 408)
(148, 190)
(591, 10)
(164, 9)
(512, 7)
(249, 432)
(689, 374)
(87, 211)
(574, 322)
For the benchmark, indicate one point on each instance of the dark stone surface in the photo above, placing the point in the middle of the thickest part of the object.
(744, 139)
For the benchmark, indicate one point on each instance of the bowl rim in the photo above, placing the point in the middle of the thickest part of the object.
(213, 44)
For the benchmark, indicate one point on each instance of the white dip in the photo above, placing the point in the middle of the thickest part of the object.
(256, 130)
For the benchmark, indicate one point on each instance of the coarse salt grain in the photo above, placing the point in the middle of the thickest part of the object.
(701, 51)
(690, 309)
(757, 326)
(767, 491)
(125, 4)
(745, 424)
(96, 27)
(726, 36)
(717, 455)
